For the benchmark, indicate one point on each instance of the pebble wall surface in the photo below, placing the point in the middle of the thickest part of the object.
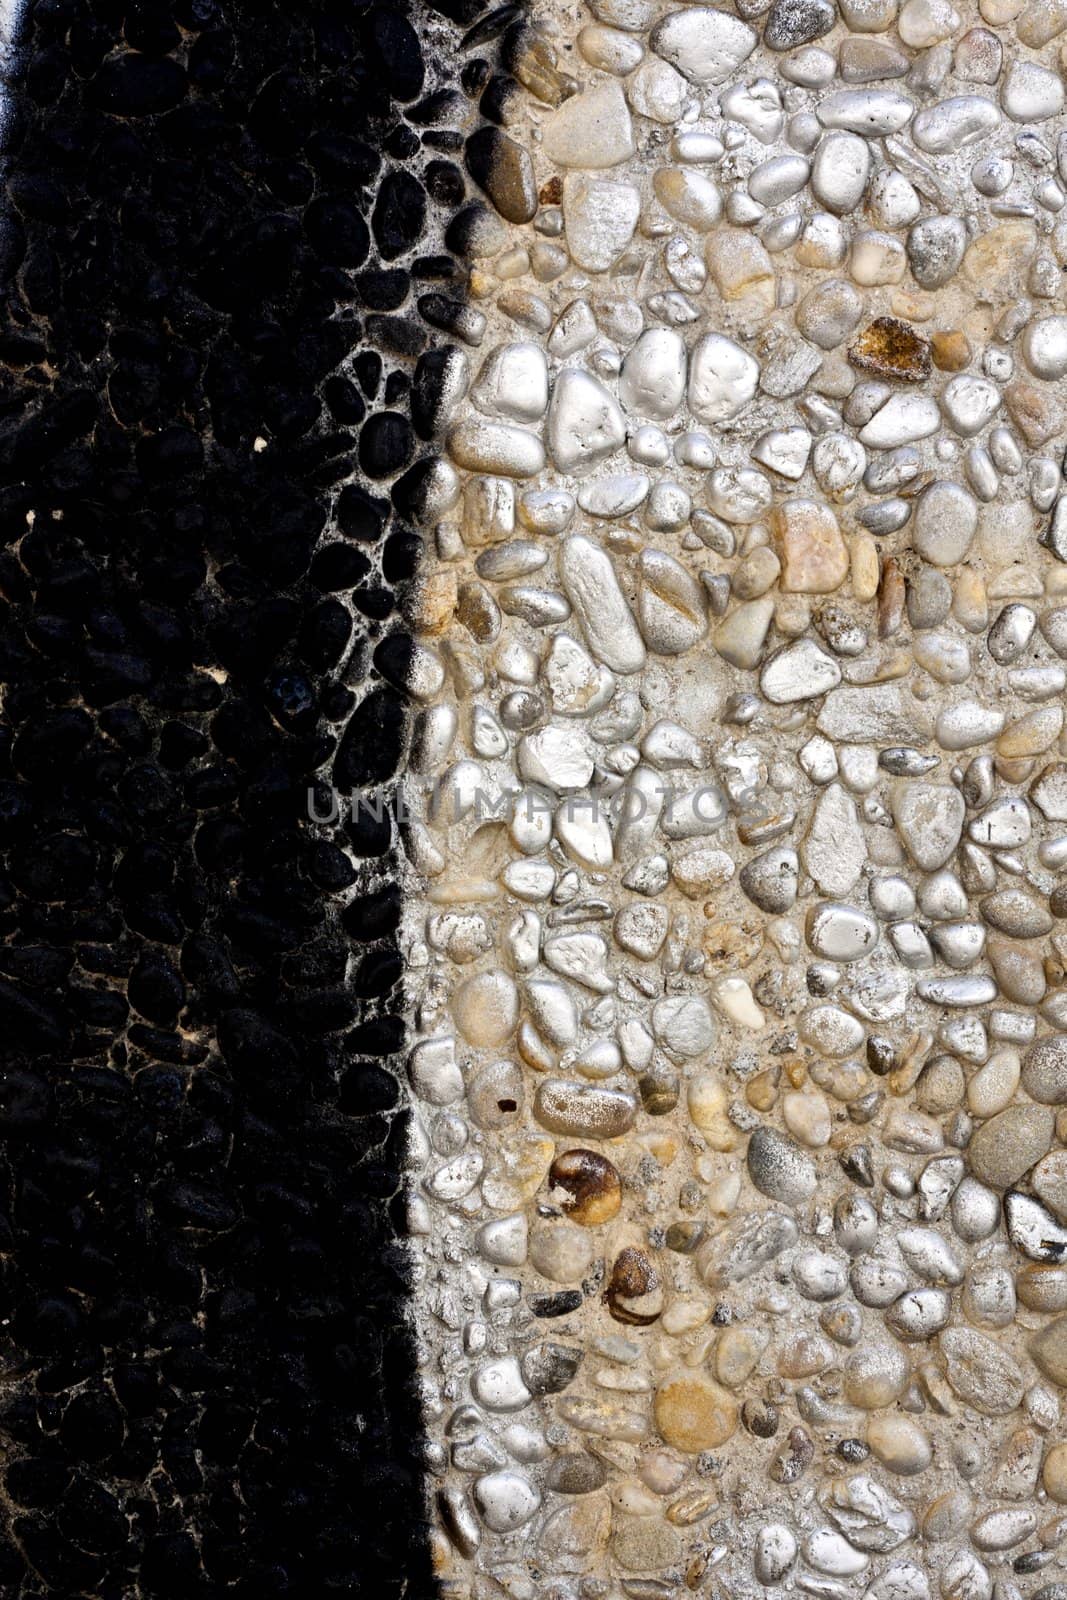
(739, 798)
(222, 251)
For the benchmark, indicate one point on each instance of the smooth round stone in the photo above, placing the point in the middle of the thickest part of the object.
(773, 1553)
(1054, 1473)
(658, 91)
(486, 1009)
(935, 249)
(1005, 1148)
(969, 403)
(590, 130)
(706, 46)
(778, 179)
(692, 1414)
(899, 1444)
(688, 196)
(683, 1026)
(498, 1385)
(923, 23)
(975, 1211)
(903, 419)
(1044, 1070)
(1031, 93)
(580, 1110)
(1044, 347)
(497, 448)
(560, 1251)
(968, 723)
(779, 1168)
(944, 524)
(722, 379)
(830, 1552)
(954, 124)
(652, 382)
(980, 1372)
(1042, 1287)
(919, 1314)
(840, 171)
(841, 932)
(876, 1375)
(1049, 1350)
(505, 1501)
(791, 23)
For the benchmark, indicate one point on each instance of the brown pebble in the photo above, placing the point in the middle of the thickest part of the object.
(634, 1293)
(951, 350)
(891, 349)
(589, 1184)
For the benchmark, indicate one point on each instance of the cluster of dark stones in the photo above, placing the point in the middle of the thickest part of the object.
(227, 224)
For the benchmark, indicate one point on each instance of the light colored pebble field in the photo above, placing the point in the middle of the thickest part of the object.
(739, 811)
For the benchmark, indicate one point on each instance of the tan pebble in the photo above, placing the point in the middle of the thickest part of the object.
(803, 1354)
(693, 1414)
(970, 606)
(737, 1352)
(1018, 970)
(560, 1251)
(1054, 1474)
(707, 1100)
(641, 1545)
(807, 1116)
(1041, 1287)
(486, 1009)
(813, 554)
(1032, 734)
(992, 1087)
(516, 1170)
(576, 1533)
(876, 1375)
(899, 1444)
(692, 1507)
(740, 266)
(684, 1315)
(1035, 413)
(792, 615)
(734, 944)
(661, 1144)
(662, 1472)
(1049, 1350)
(863, 558)
(951, 350)
(996, 261)
(946, 1516)
(723, 1194)
(762, 1091)
(1005, 1148)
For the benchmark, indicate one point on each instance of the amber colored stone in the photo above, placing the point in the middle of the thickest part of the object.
(478, 612)
(1034, 413)
(809, 545)
(552, 191)
(951, 350)
(588, 1187)
(693, 1414)
(892, 349)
